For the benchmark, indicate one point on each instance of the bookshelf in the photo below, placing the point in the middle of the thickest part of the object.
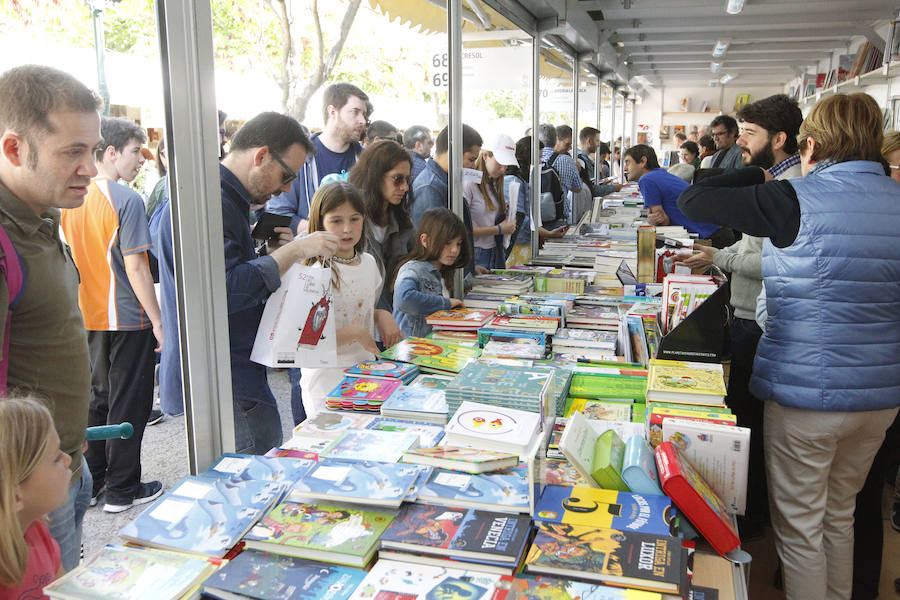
(873, 77)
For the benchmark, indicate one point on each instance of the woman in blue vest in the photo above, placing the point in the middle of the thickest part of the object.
(828, 364)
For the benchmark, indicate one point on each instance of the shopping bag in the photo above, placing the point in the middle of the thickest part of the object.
(297, 328)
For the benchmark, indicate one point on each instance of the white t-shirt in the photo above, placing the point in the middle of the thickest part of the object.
(481, 216)
(354, 302)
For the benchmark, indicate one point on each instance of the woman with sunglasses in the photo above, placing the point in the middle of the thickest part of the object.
(382, 177)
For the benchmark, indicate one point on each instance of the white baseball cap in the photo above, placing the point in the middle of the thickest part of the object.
(503, 148)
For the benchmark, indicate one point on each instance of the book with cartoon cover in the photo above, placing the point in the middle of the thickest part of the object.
(327, 532)
(280, 469)
(458, 532)
(363, 444)
(432, 355)
(607, 508)
(417, 402)
(393, 580)
(505, 491)
(355, 392)
(686, 382)
(384, 369)
(429, 433)
(541, 587)
(467, 318)
(269, 576)
(376, 483)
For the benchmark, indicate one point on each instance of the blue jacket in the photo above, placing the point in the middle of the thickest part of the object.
(832, 339)
(418, 164)
(417, 294)
(171, 394)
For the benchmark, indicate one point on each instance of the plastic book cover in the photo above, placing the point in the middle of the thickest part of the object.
(419, 397)
(269, 576)
(540, 587)
(507, 491)
(280, 469)
(429, 433)
(321, 526)
(432, 354)
(119, 572)
(607, 508)
(331, 425)
(384, 369)
(641, 560)
(364, 388)
(376, 482)
(458, 531)
(639, 467)
(393, 580)
(363, 444)
(609, 451)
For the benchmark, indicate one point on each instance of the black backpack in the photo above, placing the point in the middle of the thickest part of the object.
(553, 201)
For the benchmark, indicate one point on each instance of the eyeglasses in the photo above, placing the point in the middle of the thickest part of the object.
(398, 180)
(288, 175)
(716, 134)
(393, 139)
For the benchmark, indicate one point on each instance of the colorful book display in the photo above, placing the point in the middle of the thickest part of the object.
(607, 508)
(361, 393)
(432, 355)
(384, 369)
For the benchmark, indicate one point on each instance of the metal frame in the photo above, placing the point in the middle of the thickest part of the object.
(535, 144)
(454, 40)
(186, 47)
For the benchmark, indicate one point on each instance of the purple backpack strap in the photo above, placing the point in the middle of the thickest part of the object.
(11, 268)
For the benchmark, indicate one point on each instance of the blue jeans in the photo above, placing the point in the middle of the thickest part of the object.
(485, 257)
(257, 426)
(297, 410)
(65, 521)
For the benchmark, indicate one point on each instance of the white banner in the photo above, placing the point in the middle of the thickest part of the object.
(484, 68)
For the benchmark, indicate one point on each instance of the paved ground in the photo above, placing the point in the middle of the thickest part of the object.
(164, 457)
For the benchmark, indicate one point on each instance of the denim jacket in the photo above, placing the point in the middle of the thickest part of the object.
(417, 294)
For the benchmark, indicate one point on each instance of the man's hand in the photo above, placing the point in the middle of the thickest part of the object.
(617, 187)
(767, 175)
(479, 270)
(158, 334)
(390, 331)
(702, 257)
(285, 236)
(558, 232)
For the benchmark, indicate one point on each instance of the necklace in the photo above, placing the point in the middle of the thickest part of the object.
(345, 261)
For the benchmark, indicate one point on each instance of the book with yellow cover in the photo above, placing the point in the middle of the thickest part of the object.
(432, 355)
(686, 382)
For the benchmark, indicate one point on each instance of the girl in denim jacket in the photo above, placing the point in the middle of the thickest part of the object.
(425, 278)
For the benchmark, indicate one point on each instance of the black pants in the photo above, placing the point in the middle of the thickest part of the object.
(745, 336)
(121, 390)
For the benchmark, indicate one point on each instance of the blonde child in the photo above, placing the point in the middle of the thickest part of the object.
(338, 208)
(425, 277)
(34, 481)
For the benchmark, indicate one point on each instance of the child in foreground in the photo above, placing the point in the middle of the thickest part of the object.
(425, 278)
(34, 481)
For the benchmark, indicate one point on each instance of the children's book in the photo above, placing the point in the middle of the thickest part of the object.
(695, 498)
(290, 453)
(541, 587)
(607, 508)
(268, 576)
(331, 425)
(720, 453)
(203, 516)
(639, 467)
(432, 355)
(126, 573)
(457, 458)
(602, 410)
(459, 532)
(325, 532)
(459, 318)
(391, 580)
(620, 558)
(525, 323)
(609, 453)
(279, 469)
(686, 382)
(429, 433)
(363, 444)
(384, 369)
(598, 385)
(451, 562)
(598, 457)
(657, 415)
(492, 428)
(361, 393)
(300, 442)
(562, 472)
(506, 491)
(511, 350)
(584, 338)
(419, 402)
(375, 483)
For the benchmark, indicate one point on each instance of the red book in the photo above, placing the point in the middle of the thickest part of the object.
(693, 496)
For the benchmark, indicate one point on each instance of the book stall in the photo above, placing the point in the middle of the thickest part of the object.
(564, 436)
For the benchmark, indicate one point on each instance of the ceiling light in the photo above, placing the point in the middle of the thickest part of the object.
(714, 66)
(620, 44)
(720, 48)
(733, 7)
(726, 78)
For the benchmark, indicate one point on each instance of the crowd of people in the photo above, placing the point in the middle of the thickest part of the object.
(799, 212)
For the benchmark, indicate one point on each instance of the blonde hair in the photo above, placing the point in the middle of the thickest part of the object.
(891, 143)
(25, 426)
(494, 185)
(844, 126)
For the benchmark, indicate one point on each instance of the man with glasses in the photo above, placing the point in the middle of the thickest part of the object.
(381, 130)
(729, 155)
(418, 142)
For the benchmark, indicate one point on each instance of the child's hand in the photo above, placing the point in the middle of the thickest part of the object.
(456, 303)
(507, 228)
(387, 326)
(366, 340)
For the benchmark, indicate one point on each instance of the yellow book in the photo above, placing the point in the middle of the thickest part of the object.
(686, 382)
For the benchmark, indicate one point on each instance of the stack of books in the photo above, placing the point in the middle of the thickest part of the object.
(459, 319)
(547, 325)
(432, 356)
(585, 343)
(502, 285)
(604, 317)
(384, 369)
(509, 386)
(361, 393)
(421, 402)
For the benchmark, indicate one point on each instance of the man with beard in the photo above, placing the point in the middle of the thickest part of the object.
(265, 155)
(334, 151)
(768, 139)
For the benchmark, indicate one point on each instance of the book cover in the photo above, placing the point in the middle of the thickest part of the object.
(457, 458)
(577, 444)
(507, 491)
(384, 369)
(120, 573)
(363, 444)
(384, 484)
(639, 467)
(585, 338)
(322, 531)
(541, 587)
(609, 451)
(429, 433)
(331, 425)
(622, 558)
(269, 576)
(700, 383)
(305, 443)
(466, 533)
(432, 354)
(657, 415)
(492, 428)
(465, 317)
(514, 381)
(428, 380)
(562, 472)
(601, 410)
(392, 580)
(357, 391)
(289, 453)
(602, 385)
(279, 469)
(607, 508)
(695, 498)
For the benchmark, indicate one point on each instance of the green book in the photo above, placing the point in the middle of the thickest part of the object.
(694, 407)
(609, 452)
(638, 412)
(592, 385)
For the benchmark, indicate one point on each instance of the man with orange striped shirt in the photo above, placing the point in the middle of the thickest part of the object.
(109, 237)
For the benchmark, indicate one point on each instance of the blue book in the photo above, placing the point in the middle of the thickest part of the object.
(608, 509)
(424, 473)
(363, 444)
(429, 433)
(639, 467)
(419, 402)
(506, 491)
(279, 469)
(268, 576)
(202, 515)
(373, 483)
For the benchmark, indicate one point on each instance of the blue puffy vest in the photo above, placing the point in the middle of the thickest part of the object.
(832, 339)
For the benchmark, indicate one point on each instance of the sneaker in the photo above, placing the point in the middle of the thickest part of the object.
(156, 416)
(95, 496)
(146, 492)
(895, 516)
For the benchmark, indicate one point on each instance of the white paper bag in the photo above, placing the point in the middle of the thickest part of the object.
(297, 328)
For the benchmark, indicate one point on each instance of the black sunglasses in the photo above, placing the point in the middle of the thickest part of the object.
(289, 175)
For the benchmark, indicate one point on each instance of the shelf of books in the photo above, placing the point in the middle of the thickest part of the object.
(846, 82)
(534, 444)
